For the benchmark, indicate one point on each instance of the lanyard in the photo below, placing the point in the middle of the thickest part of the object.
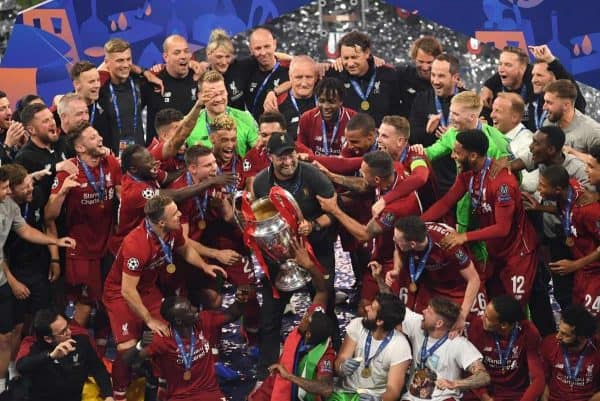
(537, 118)
(295, 186)
(208, 123)
(572, 374)
(384, 343)
(25, 211)
(93, 115)
(201, 206)
(113, 98)
(404, 154)
(328, 145)
(439, 110)
(187, 357)
(166, 248)
(231, 187)
(503, 355)
(415, 274)
(262, 86)
(295, 102)
(426, 353)
(358, 89)
(100, 189)
(567, 212)
(476, 201)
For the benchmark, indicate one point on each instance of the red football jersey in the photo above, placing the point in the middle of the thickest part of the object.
(310, 131)
(203, 385)
(587, 382)
(254, 162)
(170, 164)
(585, 227)
(140, 255)
(83, 205)
(190, 213)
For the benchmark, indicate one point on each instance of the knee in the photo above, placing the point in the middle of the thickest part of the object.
(5, 341)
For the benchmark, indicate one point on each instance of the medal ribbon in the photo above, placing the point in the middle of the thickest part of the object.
(572, 374)
(113, 98)
(566, 222)
(358, 89)
(426, 353)
(439, 110)
(384, 343)
(25, 211)
(93, 115)
(166, 248)
(503, 355)
(99, 189)
(262, 86)
(414, 275)
(187, 357)
(295, 102)
(404, 154)
(231, 187)
(476, 201)
(537, 117)
(328, 145)
(200, 205)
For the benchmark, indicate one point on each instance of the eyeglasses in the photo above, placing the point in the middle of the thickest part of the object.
(64, 331)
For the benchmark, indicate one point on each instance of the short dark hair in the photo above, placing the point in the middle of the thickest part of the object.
(353, 39)
(555, 135)
(380, 163)
(16, 174)
(2, 94)
(362, 122)
(412, 227)
(41, 322)
(321, 327)
(29, 112)
(474, 140)
(595, 152)
(273, 117)
(194, 152)
(75, 133)
(155, 207)
(4, 173)
(451, 60)
(428, 44)
(24, 102)
(330, 87)
(508, 309)
(563, 88)
(522, 56)
(79, 68)
(166, 117)
(557, 176)
(581, 319)
(391, 310)
(166, 308)
(128, 155)
(448, 310)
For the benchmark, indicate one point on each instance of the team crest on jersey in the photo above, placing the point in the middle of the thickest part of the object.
(461, 256)
(347, 85)
(148, 193)
(55, 183)
(276, 82)
(388, 219)
(376, 88)
(125, 329)
(504, 193)
(133, 264)
(247, 165)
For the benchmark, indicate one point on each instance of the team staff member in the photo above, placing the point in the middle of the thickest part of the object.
(321, 129)
(12, 133)
(503, 225)
(304, 182)
(131, 296)
(572, 358)
(86, 81)
(510, 347)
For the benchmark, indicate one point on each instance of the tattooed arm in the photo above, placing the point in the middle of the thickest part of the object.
(479, 378)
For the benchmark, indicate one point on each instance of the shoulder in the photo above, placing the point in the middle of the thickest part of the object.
(549, 345)
(387, 72)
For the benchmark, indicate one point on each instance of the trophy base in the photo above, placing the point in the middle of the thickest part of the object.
(291, 277)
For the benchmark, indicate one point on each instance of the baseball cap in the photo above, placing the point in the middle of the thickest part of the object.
(280, 142)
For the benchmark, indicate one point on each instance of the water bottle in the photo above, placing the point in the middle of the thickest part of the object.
(70, 310)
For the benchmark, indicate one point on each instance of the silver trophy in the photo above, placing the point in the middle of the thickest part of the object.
(273, 236)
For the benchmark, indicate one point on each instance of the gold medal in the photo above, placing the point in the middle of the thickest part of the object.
(412, 287)
(171, 268)
(365, 105)
(201, 224)
(366, 373)
(570, 241)
(187, 375)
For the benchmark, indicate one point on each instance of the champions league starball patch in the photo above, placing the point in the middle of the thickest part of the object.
(133, 264)
(148, 193)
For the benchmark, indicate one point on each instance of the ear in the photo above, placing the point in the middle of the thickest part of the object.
(48, 339)
(164, 57)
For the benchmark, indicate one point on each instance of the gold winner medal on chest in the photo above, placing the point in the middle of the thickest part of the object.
(366, 373)
(412, 287)
(570, 241)
(171, 268)
(365, 105)
(201, 225)
(187, 375)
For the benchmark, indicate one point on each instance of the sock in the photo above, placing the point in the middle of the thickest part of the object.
(12, 370)
(121, 376)
(2, 385)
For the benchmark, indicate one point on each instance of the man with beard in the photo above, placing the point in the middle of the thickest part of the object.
(572, 358)
(374, 357)
(581, 131)
(510, 346)
(592, 166)
(320, 129)
(579, 213)
(212, 93)
(370, 89)
(509, 236)
(304, 182)
(416, 78)
(10, 287)
(87, 196)
(438, 360)
(131, 296)
(12, 133)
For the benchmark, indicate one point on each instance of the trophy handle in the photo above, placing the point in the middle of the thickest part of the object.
(243, 214)
(287, 206)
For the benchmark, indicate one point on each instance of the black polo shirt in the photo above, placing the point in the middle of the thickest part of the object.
(494, 83)
(237, 77)
(410, 84)
(291, 113)
(256, 93)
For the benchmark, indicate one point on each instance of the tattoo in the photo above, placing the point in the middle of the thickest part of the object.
(479, 377)
(373, 228)
(355, 184)
(322, 387)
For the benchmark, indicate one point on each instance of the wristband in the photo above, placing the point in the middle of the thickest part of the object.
(55, 261)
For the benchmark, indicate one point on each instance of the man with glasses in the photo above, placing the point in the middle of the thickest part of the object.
(58, 363)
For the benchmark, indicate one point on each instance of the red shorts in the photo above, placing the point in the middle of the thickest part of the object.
(84, 279)
(370, 289)
(586, 290)
(175, 283)
(513, 276)
(124, 323)
(424, 295)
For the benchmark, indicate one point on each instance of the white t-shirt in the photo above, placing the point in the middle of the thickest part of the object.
(447, 362)
(397, 351)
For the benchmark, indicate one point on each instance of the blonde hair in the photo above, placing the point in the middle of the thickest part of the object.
(223, 122)
(469, 100)
(116, 45)
(210, 76)
(65, 102)
(517, 105)
(219, 38)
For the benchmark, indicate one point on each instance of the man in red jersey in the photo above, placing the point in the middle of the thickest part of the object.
(87, 197)
(378, 171)
(321, 129)
(435, 270)
(496, 202)
(572, 358)
(131, 296)
(579, 213)
(184, 355)
(510, 347)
